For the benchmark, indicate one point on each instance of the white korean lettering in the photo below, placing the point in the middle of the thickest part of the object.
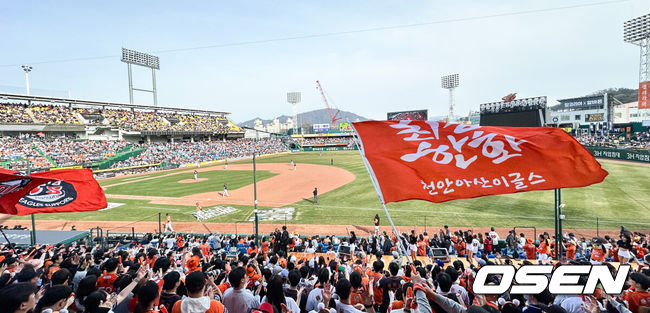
(414, 130)
(539, 179)
(518, 181)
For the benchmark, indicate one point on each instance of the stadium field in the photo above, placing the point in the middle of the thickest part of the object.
(183, 184)
(621, 199)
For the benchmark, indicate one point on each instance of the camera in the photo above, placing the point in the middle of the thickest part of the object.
(213, 273)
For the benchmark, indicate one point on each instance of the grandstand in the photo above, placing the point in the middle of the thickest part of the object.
(109, 120)
(41, 133)
(324, 142)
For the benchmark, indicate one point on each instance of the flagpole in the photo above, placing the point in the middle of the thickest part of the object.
(375, 183)
(33, 232)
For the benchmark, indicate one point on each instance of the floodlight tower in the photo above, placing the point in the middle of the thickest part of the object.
(294, 98)
(450, 82)
(145, 60)
(637, 32)
(27, 69)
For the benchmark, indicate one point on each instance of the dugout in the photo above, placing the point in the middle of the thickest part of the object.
(45, 237)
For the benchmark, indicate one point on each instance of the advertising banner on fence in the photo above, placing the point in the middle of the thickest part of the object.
(621, 154)
(321, 128)
(438, 162)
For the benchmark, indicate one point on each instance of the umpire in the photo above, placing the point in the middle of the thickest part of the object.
(315, 195)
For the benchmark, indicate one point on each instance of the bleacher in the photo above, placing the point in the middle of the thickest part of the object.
(148, 120)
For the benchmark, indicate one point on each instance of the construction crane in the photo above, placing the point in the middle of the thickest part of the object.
(333, 116)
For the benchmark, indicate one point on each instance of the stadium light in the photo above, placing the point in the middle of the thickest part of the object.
(27, 69)
(141, 59)
(450, 82)
(294, 98)
(637, 32)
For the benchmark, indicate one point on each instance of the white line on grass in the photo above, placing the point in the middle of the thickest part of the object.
(134, 178)
(158, 208)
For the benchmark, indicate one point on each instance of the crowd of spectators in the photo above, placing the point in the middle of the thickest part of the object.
(349, 141)
(68, 152)
(203, 123)
(201, 151)
(135, 120)
(14, 113)
(54, 114)
(627, 248)
(160, 121)
(638, 140)
(20, 151)
(18, 154)
(214, 273)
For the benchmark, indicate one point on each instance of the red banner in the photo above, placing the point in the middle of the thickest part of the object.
(70, 190)
(13, 187)
(644, 97)
(438, 162)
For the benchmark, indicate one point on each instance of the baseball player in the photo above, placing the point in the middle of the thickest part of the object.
(315, 195)
(225, 166)
(376, 222)
(225, 191)
(196, 175)
(168, 223)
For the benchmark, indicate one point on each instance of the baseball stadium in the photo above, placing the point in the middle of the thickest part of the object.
(146, 200)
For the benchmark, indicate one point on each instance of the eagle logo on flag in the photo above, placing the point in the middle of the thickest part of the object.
(10, 186)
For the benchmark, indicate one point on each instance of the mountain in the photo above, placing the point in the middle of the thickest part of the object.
(624, 95)
(312, 117)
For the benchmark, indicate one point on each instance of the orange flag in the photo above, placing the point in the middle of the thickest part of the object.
(437, 162)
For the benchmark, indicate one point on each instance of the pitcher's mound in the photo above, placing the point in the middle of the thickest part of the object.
(191, 180)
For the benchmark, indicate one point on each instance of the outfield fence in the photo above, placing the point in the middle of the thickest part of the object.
(620, 154)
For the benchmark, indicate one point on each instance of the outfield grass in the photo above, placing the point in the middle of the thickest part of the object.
(168, 186)
(623, 198)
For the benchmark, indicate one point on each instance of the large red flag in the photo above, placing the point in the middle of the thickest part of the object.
(438, 162)
(14, 187)
(71, 190)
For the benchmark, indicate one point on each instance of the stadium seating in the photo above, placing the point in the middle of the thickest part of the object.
(348, 141)
(47, 152)
(127, 119)
(53, 114)
(14, 113)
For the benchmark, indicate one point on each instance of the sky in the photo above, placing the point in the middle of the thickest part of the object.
(555, 48)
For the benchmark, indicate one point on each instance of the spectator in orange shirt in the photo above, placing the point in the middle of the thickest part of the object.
(356, 282)
(640, 296)
(105, 282)
(570, 250)
(422, 246)
(265, 246)
(530, 249)
(252, 248)
(205, 248)
(544, 249)
(375, 276)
